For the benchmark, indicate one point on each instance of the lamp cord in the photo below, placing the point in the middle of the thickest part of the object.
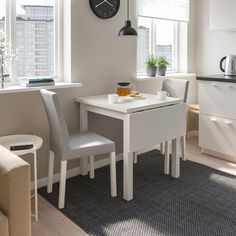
(128, 9)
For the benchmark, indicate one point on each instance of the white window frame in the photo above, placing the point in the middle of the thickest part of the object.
(10, 28)
(175, 49)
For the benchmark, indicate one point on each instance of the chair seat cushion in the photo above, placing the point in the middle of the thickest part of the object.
(88, 143)
(3, 225)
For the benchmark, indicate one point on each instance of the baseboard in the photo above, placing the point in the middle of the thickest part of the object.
(193, 133)
(218, 155)
(148, 149)
(75, 171)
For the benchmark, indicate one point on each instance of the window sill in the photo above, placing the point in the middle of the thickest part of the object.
(20, 89)
(169, 76)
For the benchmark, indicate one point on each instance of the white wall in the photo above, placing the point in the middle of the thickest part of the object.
(99, 57)
(191, 54)
(211, 46)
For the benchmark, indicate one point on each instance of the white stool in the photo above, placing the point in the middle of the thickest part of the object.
(7, 141)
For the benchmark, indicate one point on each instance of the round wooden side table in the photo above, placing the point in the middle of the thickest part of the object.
(10, 140)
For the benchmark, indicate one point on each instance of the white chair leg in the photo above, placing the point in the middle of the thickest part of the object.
(50, 171)
(135, 158)
(91, 167)
(162, 148)
(183, 145)
(167, 159)
(113, 174)
(62, 188)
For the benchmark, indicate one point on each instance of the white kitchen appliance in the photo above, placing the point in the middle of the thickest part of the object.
(230, 65)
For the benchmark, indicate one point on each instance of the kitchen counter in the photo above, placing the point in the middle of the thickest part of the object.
(218, 78)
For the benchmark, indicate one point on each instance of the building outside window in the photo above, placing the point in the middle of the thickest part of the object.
(34, 37)
(2, 14)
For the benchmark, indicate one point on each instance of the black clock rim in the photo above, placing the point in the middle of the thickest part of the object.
(101, 17)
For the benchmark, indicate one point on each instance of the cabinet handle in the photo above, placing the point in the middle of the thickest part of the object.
(228, 122)
(213, 119)
(230, 86)
(215, 85)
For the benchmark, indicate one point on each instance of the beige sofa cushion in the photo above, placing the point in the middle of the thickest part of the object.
(3, 225)
(15, 193)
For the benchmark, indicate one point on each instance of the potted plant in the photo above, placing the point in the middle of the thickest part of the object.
(162, 64)
(151, 66)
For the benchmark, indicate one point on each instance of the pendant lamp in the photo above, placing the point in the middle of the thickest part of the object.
(127, 30)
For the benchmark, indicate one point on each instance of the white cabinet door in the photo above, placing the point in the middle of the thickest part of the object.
(222, 15)
(217, 134)
(218, 99)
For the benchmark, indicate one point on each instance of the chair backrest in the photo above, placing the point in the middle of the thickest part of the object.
(59, 136)
(176, 88)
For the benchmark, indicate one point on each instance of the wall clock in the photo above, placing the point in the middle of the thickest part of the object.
(105, 9)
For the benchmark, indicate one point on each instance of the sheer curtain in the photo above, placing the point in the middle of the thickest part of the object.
(177, 10)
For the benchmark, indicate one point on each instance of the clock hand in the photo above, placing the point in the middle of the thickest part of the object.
(109, 3)
(100, 3)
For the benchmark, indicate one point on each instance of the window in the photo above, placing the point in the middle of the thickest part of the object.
(158, 38)
(32, 27)
(159, 28)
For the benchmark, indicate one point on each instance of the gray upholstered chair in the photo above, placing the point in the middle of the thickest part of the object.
(176, 88)
(67, 147)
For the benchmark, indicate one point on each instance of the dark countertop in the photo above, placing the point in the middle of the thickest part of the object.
(218, 78)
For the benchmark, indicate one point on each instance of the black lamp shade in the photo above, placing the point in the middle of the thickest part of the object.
(127, 30)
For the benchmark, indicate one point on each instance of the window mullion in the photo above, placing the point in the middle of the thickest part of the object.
(176, 49)
(11, 33)
(153, 41)
(58, 59)
(56, 34)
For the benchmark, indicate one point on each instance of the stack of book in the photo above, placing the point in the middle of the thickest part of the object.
(36, 82)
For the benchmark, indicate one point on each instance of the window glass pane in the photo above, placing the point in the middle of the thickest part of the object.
(144, 42)
(2, 14)
(165, 41)
(35, 37)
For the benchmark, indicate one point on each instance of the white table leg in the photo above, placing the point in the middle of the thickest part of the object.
(167, 159)
(175, 162)
(91, 167)
(128, 163)
(135, 157)
(162, 148)
(113, 174)
(35, 187)
(128, 176)
(183, 146)
(83, 127)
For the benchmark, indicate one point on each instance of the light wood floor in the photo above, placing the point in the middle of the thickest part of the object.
(53, 223)
(193, 154)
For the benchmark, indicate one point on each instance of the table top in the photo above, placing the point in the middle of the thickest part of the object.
(7, 141)
(150, 101)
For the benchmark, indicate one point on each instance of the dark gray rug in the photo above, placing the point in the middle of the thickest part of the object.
(201, 202)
